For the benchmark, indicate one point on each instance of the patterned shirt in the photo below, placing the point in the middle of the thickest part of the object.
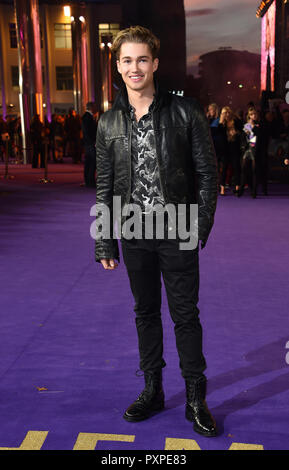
(146, 190)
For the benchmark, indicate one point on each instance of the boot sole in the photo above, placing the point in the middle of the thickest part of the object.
(132, 419)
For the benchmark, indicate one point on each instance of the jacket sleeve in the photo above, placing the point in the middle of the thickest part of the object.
(105, 245)
(205, 166)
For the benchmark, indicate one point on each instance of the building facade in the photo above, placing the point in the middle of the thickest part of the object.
(274, 16)
(238, 78)
(102, 21)
(76, 63)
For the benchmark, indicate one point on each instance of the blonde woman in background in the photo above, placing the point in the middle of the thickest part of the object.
(225, 116)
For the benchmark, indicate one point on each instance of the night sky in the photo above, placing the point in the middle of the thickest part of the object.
(211, 24)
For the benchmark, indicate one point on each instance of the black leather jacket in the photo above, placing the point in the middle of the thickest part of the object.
(185, 156)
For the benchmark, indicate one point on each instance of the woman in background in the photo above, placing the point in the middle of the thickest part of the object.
(225, 116)
(248, 166)
(234, 145)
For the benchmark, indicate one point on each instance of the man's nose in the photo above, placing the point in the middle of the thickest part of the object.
(134, 66)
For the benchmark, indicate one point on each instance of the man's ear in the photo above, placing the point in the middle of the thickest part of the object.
(155, 64)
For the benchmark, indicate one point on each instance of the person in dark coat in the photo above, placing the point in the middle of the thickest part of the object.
(234, 146)
(52, 127)
(37, 135)
(225, 116)
(264, 130)
(73, 133)
(3, 131)
(154, 150)
(216, 133)
(89, 128)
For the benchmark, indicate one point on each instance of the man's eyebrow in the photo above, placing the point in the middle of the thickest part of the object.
(139, 57)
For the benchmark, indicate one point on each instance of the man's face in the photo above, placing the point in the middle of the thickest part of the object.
(136, 65)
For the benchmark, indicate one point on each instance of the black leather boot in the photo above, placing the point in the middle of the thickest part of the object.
(149, 401)
(196, 407)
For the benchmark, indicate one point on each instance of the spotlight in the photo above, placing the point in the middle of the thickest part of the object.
(67, 11)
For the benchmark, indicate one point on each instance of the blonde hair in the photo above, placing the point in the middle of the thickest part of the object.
(137, 34)
(227, 108)
(250, 110)
(215, 107)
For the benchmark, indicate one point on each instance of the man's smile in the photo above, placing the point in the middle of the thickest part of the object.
(136, 78)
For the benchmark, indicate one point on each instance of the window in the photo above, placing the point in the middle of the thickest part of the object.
(103, 26)
(64, 78)
(62, 35)
(15, 75)
(13, 35)
(107, 31)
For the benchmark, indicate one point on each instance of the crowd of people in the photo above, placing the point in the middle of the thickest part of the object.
(241, 141)
(67, 137)
(63, 136)
(10, 132)
(242, 144)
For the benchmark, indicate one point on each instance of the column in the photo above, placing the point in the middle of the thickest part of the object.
(79, 58)
(44, 17)
(106, 41)
(30, 70)
(94, 55)
(2, 81)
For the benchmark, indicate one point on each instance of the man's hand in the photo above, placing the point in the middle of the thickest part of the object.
(108, 263)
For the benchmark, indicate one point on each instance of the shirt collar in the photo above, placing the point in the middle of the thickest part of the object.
(150, 110)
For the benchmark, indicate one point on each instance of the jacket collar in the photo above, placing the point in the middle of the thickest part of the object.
(121, 101)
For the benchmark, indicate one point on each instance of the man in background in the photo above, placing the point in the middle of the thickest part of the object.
(89, 128)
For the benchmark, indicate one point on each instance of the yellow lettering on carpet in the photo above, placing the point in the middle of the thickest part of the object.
(241, 446)
(88, 440)
(181, 444)
(33, 441)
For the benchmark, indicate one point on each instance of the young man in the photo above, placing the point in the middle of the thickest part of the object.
(154, 147)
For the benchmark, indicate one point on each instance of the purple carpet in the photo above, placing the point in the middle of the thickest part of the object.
(68, 341)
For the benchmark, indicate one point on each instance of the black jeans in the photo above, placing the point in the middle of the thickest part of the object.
(145, 261)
